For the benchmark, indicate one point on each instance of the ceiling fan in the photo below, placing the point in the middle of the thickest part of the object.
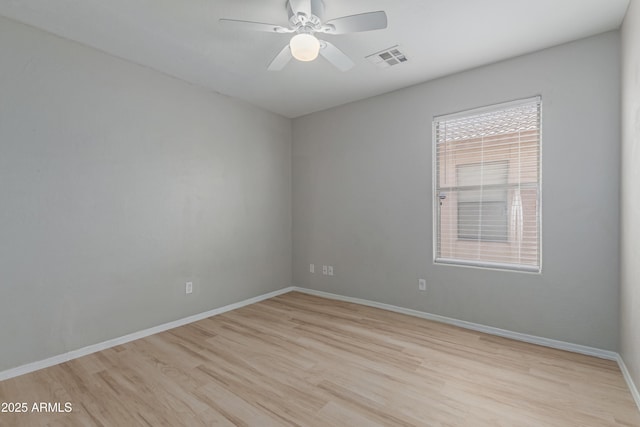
(305, 20)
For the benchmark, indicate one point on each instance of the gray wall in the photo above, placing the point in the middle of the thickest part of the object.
(362, 182)
(117, 185)
(630, 231)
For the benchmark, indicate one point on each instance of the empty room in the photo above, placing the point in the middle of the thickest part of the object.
(320, 213)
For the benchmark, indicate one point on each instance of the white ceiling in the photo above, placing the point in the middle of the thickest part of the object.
(183, 38)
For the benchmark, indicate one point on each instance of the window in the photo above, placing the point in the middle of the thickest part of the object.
(487, 187)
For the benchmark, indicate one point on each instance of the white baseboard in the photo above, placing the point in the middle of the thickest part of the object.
(74, 354)
(561, 345)
(627, 377)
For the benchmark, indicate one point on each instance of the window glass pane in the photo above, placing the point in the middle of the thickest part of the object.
(482, 221)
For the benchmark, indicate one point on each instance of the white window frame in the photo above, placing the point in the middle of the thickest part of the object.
(436, 202)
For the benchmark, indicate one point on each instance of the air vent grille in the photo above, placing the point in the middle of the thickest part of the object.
(388, 57)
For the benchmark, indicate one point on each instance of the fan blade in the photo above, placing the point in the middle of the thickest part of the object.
(254, 26)
(301, 6)
(334, 55)
(357, 23)
(281, 59)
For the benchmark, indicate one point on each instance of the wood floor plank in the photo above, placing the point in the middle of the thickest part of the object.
(298, 359)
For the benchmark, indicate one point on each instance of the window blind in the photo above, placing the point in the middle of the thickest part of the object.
(487, 186)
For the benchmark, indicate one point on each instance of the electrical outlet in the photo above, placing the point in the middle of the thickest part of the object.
(188, 288)
(312, 268)
(422, 285)
(324, 270)
(330, 270)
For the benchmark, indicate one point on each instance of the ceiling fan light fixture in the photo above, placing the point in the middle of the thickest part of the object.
(304, 47)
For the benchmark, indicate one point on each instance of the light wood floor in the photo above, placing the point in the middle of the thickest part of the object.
(302, 360)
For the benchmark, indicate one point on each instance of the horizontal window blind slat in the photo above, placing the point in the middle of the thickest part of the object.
(495, 265)
(502, 142)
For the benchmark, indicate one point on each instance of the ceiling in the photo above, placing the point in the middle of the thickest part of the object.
(183, 38)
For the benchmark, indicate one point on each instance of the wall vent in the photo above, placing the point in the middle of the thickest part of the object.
(388, 57)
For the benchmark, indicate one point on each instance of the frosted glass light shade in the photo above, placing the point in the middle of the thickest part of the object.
(304, 47)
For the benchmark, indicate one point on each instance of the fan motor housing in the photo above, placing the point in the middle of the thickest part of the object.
(317, 13)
